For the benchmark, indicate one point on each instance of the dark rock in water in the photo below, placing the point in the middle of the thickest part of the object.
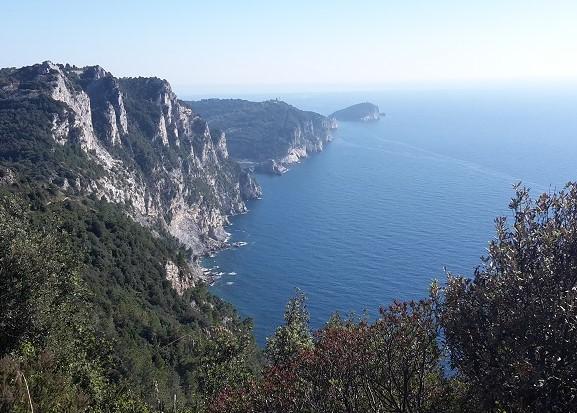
(269, 136)
(361, 112)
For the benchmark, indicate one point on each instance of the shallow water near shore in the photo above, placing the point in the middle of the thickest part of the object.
(388, 205)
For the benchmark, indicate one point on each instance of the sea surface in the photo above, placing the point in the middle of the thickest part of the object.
(388, 206)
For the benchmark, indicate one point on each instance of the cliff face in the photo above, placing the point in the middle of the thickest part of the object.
(361, 112)
(129, 141)
(84, 158)
(269, 135)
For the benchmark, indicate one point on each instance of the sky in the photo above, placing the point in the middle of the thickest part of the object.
(299, 45)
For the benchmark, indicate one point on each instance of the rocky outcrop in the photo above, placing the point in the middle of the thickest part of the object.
(249, 188)
(267, 136)
(7, 176)
(361, 112)
(144, 149)
(180, 280)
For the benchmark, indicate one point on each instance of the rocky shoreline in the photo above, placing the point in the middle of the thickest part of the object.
(210, 275)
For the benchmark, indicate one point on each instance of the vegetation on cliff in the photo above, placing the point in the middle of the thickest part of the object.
(89, 318)
(27, 144)
(129, 141)
(264, 131)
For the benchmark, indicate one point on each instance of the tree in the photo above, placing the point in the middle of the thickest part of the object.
(41, 309)
(36, 270)
(391, 365)
(404, 371)
(51, 359)
(512, 329)
(294, 336)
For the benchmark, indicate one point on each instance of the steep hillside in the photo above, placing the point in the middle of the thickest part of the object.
(119, 333)
(270, 135)
(128, 141)
(110, 191)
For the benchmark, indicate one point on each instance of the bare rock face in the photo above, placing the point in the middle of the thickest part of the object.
(249, 188)
(7, 176)
(219, 141)
(144, 149)
(108, 110)
(179, 279)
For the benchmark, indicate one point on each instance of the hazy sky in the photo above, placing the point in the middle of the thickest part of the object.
(299, 44)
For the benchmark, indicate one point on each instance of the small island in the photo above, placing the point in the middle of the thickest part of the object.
(361, 112)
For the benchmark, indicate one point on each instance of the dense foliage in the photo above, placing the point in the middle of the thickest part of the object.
(512, 329)
(390, 365)
(51, 357)
(80, 279)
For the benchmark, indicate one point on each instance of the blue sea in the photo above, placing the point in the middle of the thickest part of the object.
(388, 206)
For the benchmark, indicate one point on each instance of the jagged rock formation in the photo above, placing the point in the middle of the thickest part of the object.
(269, 136)
(361, 112)
(129, 141)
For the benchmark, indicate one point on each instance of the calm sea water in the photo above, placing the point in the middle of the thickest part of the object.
(388, 205)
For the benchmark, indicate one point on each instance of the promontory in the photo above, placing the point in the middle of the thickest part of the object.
(268, 136)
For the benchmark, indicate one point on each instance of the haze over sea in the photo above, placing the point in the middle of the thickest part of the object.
(388, 205)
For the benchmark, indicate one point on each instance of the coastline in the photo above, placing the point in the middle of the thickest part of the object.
(210, 275)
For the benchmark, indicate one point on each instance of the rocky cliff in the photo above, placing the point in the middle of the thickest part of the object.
(361, 112)
(269, 135)
(129, 141)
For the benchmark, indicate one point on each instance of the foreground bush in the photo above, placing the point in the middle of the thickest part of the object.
(391, 365)
(512, 329)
